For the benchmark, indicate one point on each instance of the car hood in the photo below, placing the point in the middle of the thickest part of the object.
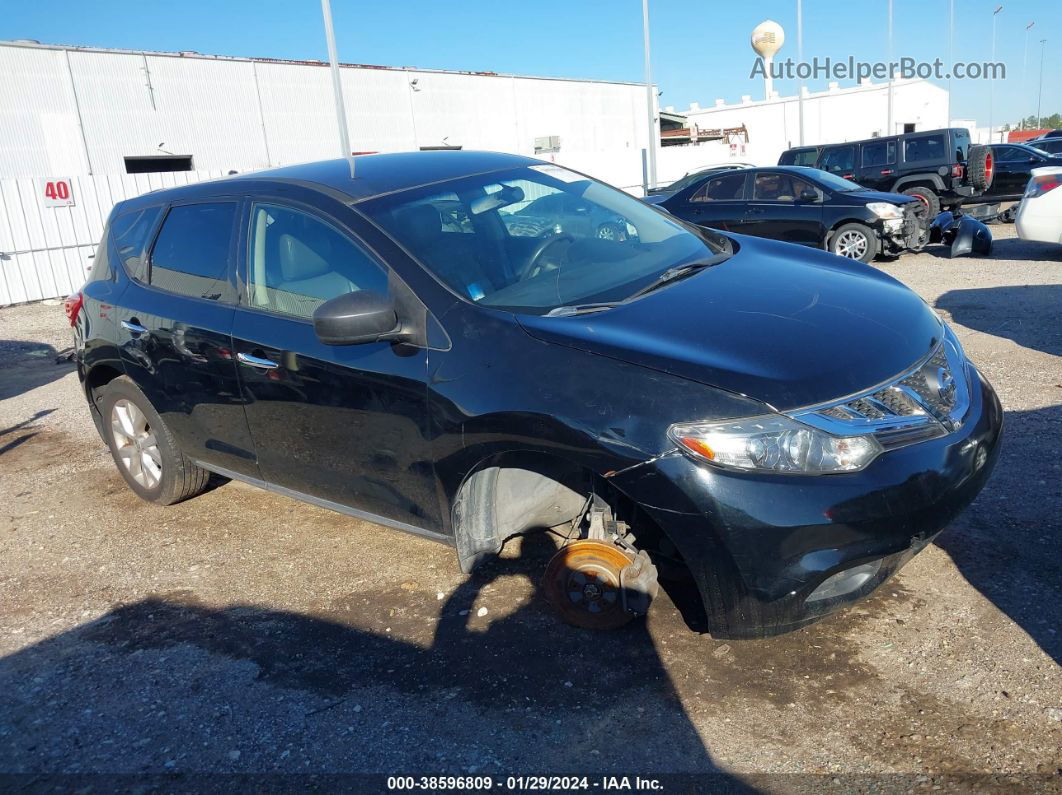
(776, 322)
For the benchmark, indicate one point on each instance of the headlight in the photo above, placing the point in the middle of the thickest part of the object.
(773, 443)
(885, 210)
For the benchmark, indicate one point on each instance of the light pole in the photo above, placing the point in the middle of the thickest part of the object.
(992, 82)
(951, 51)
(800, 61)
(1040, 92)
(337, 85)
(888, 126)
(1025, 72)
(650, 103)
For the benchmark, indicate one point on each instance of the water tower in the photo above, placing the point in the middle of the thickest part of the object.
(767, 39)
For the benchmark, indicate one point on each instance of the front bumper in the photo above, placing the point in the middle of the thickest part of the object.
(759, 545)
(902, 234)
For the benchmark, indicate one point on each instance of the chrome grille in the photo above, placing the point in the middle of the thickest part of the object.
(928, 401)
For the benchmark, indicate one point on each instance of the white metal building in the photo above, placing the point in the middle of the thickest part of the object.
(830, 116)
(78, 110)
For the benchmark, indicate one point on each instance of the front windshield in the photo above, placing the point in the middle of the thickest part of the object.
(1039, 151)
(537, 238)
(834, 182)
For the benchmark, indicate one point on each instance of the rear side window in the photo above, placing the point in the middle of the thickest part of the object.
(879, 153)
(191, 252)
(839, 160)
(925, 147)
(806, 157)
(725, 188)
(130, 233)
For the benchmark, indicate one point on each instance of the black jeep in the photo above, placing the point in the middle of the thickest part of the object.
(936, 166)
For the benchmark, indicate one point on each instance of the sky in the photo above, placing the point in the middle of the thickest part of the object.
(700, 48)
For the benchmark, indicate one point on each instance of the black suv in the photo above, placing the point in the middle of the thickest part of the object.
(784, 425)
(935, 166)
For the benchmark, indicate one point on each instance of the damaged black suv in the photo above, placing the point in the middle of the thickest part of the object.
(376, 336)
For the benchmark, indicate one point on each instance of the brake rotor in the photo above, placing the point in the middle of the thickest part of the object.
(582, 582)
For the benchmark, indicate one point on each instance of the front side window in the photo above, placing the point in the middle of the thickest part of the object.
(726, 188)
(191, 252)
(541, 237)
(838, 160)
(879, 153)
(773, 186)
(296, 262)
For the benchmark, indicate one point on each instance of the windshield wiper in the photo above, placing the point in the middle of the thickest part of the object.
(673, 275)
(580, 309)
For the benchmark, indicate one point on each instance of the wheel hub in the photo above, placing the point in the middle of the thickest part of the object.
(582, 582)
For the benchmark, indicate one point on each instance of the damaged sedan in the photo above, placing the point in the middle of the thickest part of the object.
(782, 427)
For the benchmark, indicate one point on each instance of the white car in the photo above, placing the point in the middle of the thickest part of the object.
(1040, 213)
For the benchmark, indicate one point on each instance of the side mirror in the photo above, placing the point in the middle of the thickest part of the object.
(809, 196)
(355, 318)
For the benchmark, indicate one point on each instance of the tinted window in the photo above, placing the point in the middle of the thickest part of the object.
(879, 153)
(1051, 146)
(730, 186)
(925, 147)
(191, 253)
(960, 142)
(799, 157)
(773, 186)
(841, 159)
(297, 262)
(131, 234)
(1007, 154)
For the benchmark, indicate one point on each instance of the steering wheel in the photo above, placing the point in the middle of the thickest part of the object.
(540, 249)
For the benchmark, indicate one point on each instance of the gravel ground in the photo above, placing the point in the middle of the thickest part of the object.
(245, 632)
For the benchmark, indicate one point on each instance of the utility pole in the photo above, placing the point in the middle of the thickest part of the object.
(800, 60)
(337, 84)
(650, 100)
(992, 82)
(951, 52)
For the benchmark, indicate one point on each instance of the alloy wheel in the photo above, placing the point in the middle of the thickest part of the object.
(852, 244)
(135, 443)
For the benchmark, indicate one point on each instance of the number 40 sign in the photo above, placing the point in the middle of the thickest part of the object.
(57, 193)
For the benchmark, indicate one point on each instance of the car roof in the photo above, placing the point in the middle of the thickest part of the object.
(362, 177)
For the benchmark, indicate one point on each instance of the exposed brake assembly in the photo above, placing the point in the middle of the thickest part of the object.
(600, 580)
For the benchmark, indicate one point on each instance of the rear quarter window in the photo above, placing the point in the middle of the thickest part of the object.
(130, 233)
(921, 148)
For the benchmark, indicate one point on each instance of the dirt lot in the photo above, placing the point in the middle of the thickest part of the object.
(242, 631)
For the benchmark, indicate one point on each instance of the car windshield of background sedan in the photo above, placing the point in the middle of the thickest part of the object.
(536, 238)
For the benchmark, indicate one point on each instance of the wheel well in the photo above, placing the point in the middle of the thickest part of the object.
(99, 376)
(928, 184)
(514, 493)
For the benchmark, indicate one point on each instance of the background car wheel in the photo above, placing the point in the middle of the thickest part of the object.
(929, 203)
(612, 231)
(854, 241)
(143, 448)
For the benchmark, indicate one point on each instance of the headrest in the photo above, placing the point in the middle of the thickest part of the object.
(298, 261)
(421, 222)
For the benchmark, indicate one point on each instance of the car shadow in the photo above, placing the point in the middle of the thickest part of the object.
(1005, 248)
(520, 694)
(28, 365)
(1028, 314)
(1006, 543)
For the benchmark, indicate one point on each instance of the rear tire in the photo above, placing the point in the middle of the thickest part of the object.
(143, 448)
(929, 201)
(854, 241)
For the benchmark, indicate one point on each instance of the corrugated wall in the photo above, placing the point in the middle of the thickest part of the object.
(45, 251)
(67, 112)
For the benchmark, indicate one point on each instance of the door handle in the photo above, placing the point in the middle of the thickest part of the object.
(256, 361)
(133, 327)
